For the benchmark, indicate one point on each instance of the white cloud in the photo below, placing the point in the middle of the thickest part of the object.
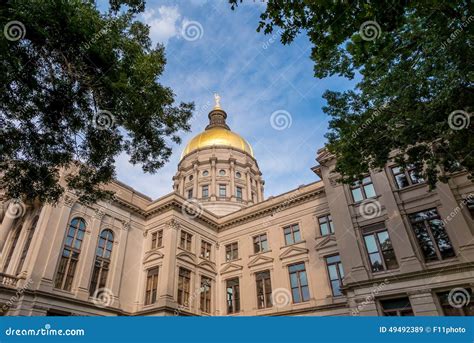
(164, 24)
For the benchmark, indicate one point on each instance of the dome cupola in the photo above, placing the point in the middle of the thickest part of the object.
(218, 168)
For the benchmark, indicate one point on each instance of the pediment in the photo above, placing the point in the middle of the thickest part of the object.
(187, 257)
(208, 265)
(152, 256)
(260, 260)
(326, 242)
(231, 267)
(292, 251)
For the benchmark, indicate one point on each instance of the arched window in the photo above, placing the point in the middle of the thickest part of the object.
(70, 255)
(26, 247)
(102, 261)
(14, 241)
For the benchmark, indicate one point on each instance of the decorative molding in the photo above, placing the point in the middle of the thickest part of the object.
(187, 257)
(293, 251)
(328, 241)
(152, 256)
(231, 267)
(99, 213)
(69, 200)
(259, 260)
(208, 265)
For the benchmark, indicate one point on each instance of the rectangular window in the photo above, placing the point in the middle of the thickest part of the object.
(363, 189)
(205, 294)
(206, 250)
(151, 290)
(431, 235)
(396, 307)
(205, 191)
(184, 286)
(222, 191)
(238, 193)
(299, 283)
(407, 177)
(231, 252)
(264, 289)
(233, 296)
(186, 239)
(325, 225)
(292, 234)
(190, 193)
(450, 310)
(336, 274)
(380, 250)
(260, 243)
(156, 239)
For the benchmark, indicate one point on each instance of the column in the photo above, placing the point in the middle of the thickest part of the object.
(87, 256)
(259, 191)
(7, 223)
(232, 179)
(213, 179)
(249, 186)
(181, 182)
(166, 288)
(195, 179)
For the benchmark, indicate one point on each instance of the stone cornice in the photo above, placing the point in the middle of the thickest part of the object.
(174, 201)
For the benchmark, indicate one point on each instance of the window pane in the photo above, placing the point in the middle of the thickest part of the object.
(369, 191)
(390, 259)
(424, 241)
(441, 237)
(324, 229)
(336, 288)
(402, 181)
(357, 194)
(305, 291)
(376, 262)
(384, 240)
(370, 243)
(296, 295)
(333, 272)
(297, 235)
(288, 239)
(303, 279)
(293, 280)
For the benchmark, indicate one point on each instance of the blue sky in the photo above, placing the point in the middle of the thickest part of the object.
(254, 74)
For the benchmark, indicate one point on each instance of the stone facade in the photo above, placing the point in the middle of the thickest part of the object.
(162, 250)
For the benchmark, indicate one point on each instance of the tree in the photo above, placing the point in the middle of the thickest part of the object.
(415, 98)
(79, 87)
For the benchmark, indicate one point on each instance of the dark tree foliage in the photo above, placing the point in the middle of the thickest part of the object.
(79, 87)
(415, 99)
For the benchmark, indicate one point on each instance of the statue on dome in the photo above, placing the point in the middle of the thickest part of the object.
(217, 99)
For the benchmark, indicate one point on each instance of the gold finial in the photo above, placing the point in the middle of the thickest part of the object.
(217, 99)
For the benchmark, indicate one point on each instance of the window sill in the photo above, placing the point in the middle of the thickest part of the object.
(358, 203)
(292, 244)
(230, 261)
(410, 187)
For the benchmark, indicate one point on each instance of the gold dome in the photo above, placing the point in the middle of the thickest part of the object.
(217, 136)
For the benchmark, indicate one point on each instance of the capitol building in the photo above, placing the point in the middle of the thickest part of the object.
(216, 246)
